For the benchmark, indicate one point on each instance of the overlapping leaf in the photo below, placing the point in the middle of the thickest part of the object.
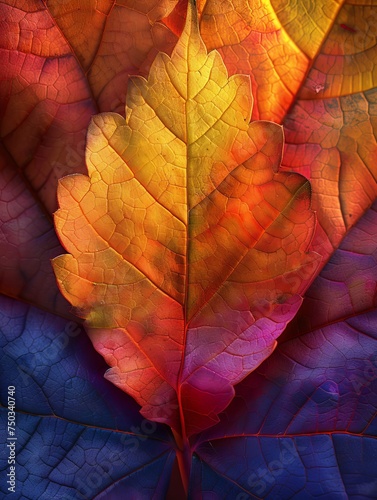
(52, 70)
(313, 68)
(274, 42)
(304, 424)
(181, 235)
(77, 435)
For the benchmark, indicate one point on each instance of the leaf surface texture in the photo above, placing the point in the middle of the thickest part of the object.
(181, 233)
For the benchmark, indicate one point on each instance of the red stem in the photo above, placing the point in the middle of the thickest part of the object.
(184, 459)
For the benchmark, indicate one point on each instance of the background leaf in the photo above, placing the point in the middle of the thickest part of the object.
(77, 435)
(52, 60)
(304, 424)
(312, 67)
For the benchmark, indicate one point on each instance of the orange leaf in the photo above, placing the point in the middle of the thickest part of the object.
(331, 130)
(271, 41)
(60, 63)
(188, 249)
(313, 69)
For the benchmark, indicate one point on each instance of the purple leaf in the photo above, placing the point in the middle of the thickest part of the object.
(304, 424)
(78, 436)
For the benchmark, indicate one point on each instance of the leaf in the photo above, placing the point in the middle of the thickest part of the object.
(27, 243)
(178, 235)
(304, 424)
(272, 41)
(53, 56)
(312, 67)
(43, 59)
(77, 435)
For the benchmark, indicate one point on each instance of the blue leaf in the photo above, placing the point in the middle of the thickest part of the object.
(78, 436)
